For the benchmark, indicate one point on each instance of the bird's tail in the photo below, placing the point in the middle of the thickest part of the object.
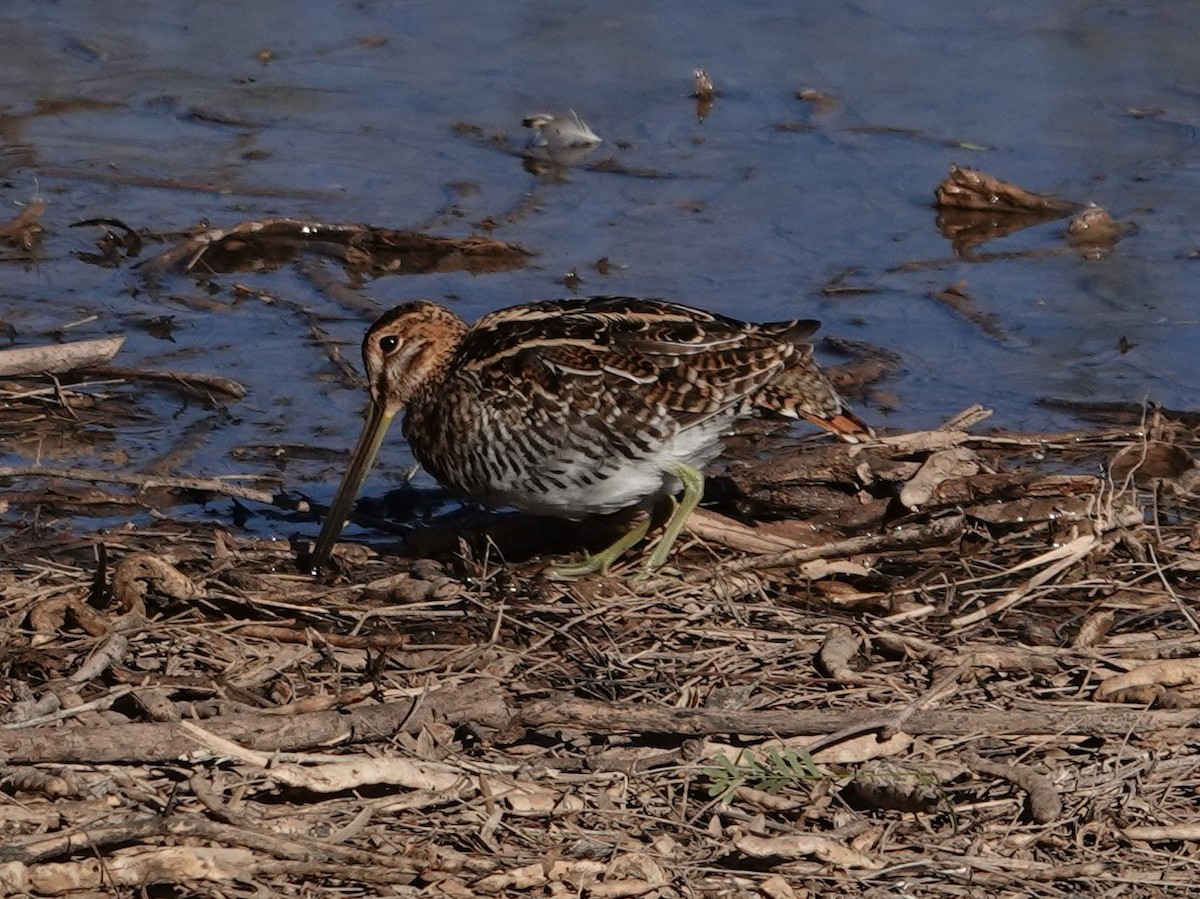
(803, 391)
(845, 424)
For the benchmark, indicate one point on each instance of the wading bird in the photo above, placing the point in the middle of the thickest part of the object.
(580, 407)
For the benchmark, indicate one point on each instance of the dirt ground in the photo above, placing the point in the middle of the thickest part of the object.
(955, 663)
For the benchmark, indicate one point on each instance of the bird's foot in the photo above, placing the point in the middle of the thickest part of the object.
(573, 571)
(603, 560)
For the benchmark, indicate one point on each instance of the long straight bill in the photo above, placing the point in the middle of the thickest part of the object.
(373, 433)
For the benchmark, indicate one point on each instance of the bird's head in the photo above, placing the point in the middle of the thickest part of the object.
(407, 348)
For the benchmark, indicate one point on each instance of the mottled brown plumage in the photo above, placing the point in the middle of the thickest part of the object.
(581, 406)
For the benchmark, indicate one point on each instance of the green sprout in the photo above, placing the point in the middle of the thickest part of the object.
(772, 774)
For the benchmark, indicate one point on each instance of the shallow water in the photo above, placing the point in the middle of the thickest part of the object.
(162, 115)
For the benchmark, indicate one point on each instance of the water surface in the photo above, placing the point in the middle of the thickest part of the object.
(168, 114)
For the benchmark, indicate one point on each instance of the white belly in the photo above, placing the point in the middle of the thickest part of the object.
(591, 486)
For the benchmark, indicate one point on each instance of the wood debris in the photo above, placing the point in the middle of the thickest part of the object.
(58, 358)
(966, 188)
(974, 208)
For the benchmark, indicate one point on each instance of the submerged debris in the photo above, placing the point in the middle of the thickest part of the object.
(956, 297)
(269, 243)
(63, 403)
(820, 101)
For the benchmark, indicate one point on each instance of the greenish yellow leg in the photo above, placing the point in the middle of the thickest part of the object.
(600, 562)
(693, 489)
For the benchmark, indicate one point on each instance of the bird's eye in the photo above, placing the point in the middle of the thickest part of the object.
(389, 342)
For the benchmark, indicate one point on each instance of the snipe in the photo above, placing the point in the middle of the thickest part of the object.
(580, 407)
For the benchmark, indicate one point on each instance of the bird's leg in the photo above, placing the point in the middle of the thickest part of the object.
(693, 489)
(679, 510)
(600, 562)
